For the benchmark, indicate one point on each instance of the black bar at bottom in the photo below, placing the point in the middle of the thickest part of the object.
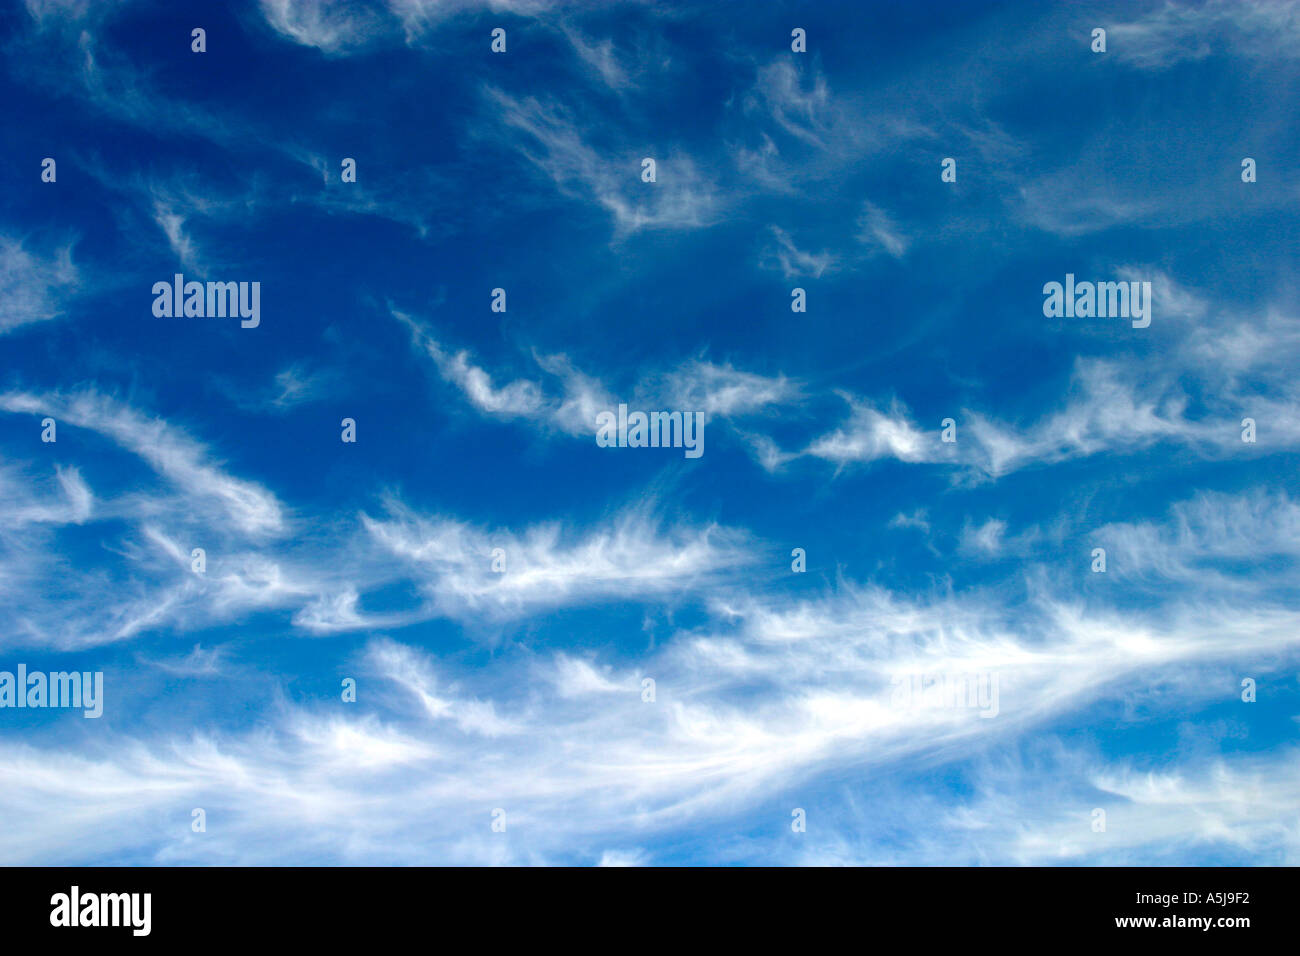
(335, 905)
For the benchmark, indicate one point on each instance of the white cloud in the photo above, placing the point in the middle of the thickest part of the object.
(1172, 33)
(548, 567)
(601, 57)
(877, 229)
(167, 449)
(803, 110)
(335, 28)
(1039, 811)
(870, 434)
(723, 390)
(986, 538)
(33, 287)
(569, 400)
(72, 504)
(681, 198)
(794, 262)
(520, 398)
(197, 663)
(574, 677)
(917, 519)
(773, 696)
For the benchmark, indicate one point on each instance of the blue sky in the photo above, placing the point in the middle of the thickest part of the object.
(476, 430)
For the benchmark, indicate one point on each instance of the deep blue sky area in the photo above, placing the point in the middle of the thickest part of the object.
(642, 657)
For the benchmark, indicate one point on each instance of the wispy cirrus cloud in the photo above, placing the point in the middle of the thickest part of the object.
(792, 261)
(1168, 33)
(33, 287)
(708, 744)
(681, 197)
(335, 29)
(167, 449)
(568, 400)
(547, 566)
